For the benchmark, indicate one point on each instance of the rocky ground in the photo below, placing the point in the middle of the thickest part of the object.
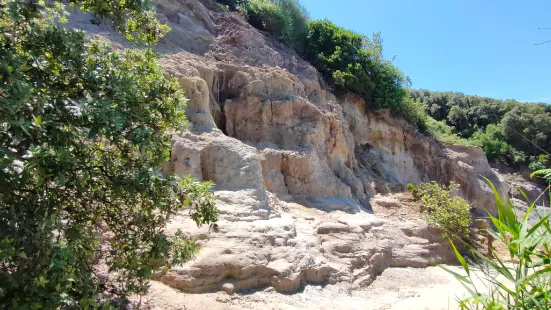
(396, 288)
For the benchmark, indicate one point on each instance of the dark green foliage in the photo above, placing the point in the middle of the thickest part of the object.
(507, 130)
(354, 62)
(267, 15)
(491, 141)
(299, 23)
(540, 162)
(466, 114)
(414, 111)
(444, 210)
(334, 51)
(84, 131)
(286, 20)
(527, 127)
(444, 133)
(133, 18)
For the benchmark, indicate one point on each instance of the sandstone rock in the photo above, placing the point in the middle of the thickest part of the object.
(388, 149)
(198, 110)
(333, 158)
(297, 169)
(327, 228)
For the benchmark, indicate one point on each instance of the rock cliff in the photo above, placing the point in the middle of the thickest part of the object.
(299, 171)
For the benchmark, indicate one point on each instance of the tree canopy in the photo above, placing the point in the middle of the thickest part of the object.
(84, 134)
(506, 129)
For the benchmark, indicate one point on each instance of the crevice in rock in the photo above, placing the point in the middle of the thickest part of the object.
(220, 121)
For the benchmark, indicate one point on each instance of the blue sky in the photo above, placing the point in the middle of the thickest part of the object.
(479, 47)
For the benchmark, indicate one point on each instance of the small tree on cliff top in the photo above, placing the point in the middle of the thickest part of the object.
(83, 131)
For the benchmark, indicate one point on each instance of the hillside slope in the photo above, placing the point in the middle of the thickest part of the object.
(298, 170)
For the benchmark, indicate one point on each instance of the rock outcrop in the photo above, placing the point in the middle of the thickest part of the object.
(298, 170)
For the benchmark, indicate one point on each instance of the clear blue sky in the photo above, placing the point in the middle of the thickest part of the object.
(479, 47)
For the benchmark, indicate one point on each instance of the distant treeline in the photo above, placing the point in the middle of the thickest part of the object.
(507, 130)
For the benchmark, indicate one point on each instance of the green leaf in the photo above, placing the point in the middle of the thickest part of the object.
(541, 222)
(38, 120)
(460, 258)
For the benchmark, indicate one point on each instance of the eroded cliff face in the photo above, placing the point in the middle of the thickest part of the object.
(298, 170)
(322, 151)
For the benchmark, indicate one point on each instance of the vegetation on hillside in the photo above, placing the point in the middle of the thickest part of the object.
(349, 61)
(286, 20)
(507, 130)
(443, 209)
(84, 131)
(523, 284)
(354, 62)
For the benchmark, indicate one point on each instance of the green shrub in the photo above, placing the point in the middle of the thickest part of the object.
(414, 111)
(268, 16)
(514, 156)
(524, 284)
(539, 162)
(299, 23)
(443, 209)
(527, 127)
(84, 131)
(491, 141)
(353, 62)
(348, 60)
(444, 133)
(286, 20)
(338, 54)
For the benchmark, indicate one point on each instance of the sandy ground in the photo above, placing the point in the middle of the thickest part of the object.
(397, 288)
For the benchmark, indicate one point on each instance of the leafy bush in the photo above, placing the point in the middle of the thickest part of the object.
(267, 15)
(286, 20)
(524, 284)
(338, 54)
(299, 22)
(414, 111)
(348, 60)
(491, 141)
(354, 62)
(539, 162)
(515, 156)
(83, 132)
(443, 133)
(443, 209)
